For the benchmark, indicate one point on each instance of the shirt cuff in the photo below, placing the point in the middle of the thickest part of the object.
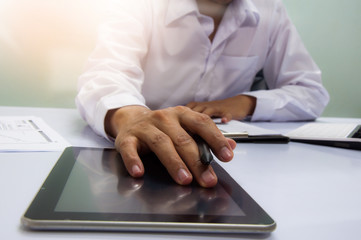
(264, 109)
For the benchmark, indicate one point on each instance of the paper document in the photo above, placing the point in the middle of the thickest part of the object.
(237, 126)
(27, 133)
(243, 132)
(331, 131)
(343, 135)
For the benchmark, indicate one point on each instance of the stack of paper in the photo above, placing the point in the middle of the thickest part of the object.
(28, 134)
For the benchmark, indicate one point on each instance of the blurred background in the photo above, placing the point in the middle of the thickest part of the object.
(45, 43)
(43, 47)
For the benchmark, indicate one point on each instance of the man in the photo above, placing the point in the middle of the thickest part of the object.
(162, 68)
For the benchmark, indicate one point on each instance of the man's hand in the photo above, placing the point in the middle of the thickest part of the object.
(167, 133)
(237, 107)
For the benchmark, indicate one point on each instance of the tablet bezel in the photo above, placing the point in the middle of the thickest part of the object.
(41, 214)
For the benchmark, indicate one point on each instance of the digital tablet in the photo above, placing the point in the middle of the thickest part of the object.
(90, 189)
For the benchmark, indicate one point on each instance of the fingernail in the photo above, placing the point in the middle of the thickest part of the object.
(208, 177)
(183, 175)
(226, 154)
(136, 170)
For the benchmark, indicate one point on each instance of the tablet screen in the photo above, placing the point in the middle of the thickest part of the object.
(89, 188)
(99, 183)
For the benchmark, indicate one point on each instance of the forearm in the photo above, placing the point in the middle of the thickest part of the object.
(290, 103)
(237, 107)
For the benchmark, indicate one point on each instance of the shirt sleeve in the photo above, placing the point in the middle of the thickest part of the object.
(113, 74)
(294, 80)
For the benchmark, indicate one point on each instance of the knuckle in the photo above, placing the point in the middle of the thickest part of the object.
(202, 119)
(181, 109)
(218, 135)
(123, 143)
(159, 114)
(182, 140)
(162, 116)
(195, 164)
(129, 157)
(158, 139)
(127, 146)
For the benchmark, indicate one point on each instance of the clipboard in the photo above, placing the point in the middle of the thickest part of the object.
(266, 138)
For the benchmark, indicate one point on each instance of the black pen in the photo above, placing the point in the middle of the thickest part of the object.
(205, 154)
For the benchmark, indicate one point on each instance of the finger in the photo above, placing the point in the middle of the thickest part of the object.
(199, 108)
(128, 149)
(187, 149)
(191, 105)
(212, 112)
(204, 126)
(163, 147)
(232, 143)
(226, 118)
(196, 106)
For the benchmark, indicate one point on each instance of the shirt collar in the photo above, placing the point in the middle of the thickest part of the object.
(179, 8)
(245, 12)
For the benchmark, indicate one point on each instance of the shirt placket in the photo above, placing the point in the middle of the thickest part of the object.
(211, 56)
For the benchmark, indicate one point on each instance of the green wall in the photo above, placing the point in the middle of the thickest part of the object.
(44, 44)
(331, 31)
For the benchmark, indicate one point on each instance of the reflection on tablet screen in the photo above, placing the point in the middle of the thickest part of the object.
(104, 186)
(90, 189)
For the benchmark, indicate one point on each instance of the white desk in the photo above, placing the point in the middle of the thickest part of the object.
(313, 192)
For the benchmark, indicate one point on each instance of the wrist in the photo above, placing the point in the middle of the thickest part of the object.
(250, 103)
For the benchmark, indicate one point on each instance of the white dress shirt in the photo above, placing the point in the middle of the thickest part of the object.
(157, 53)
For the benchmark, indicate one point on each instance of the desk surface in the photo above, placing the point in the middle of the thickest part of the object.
(313, 192)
